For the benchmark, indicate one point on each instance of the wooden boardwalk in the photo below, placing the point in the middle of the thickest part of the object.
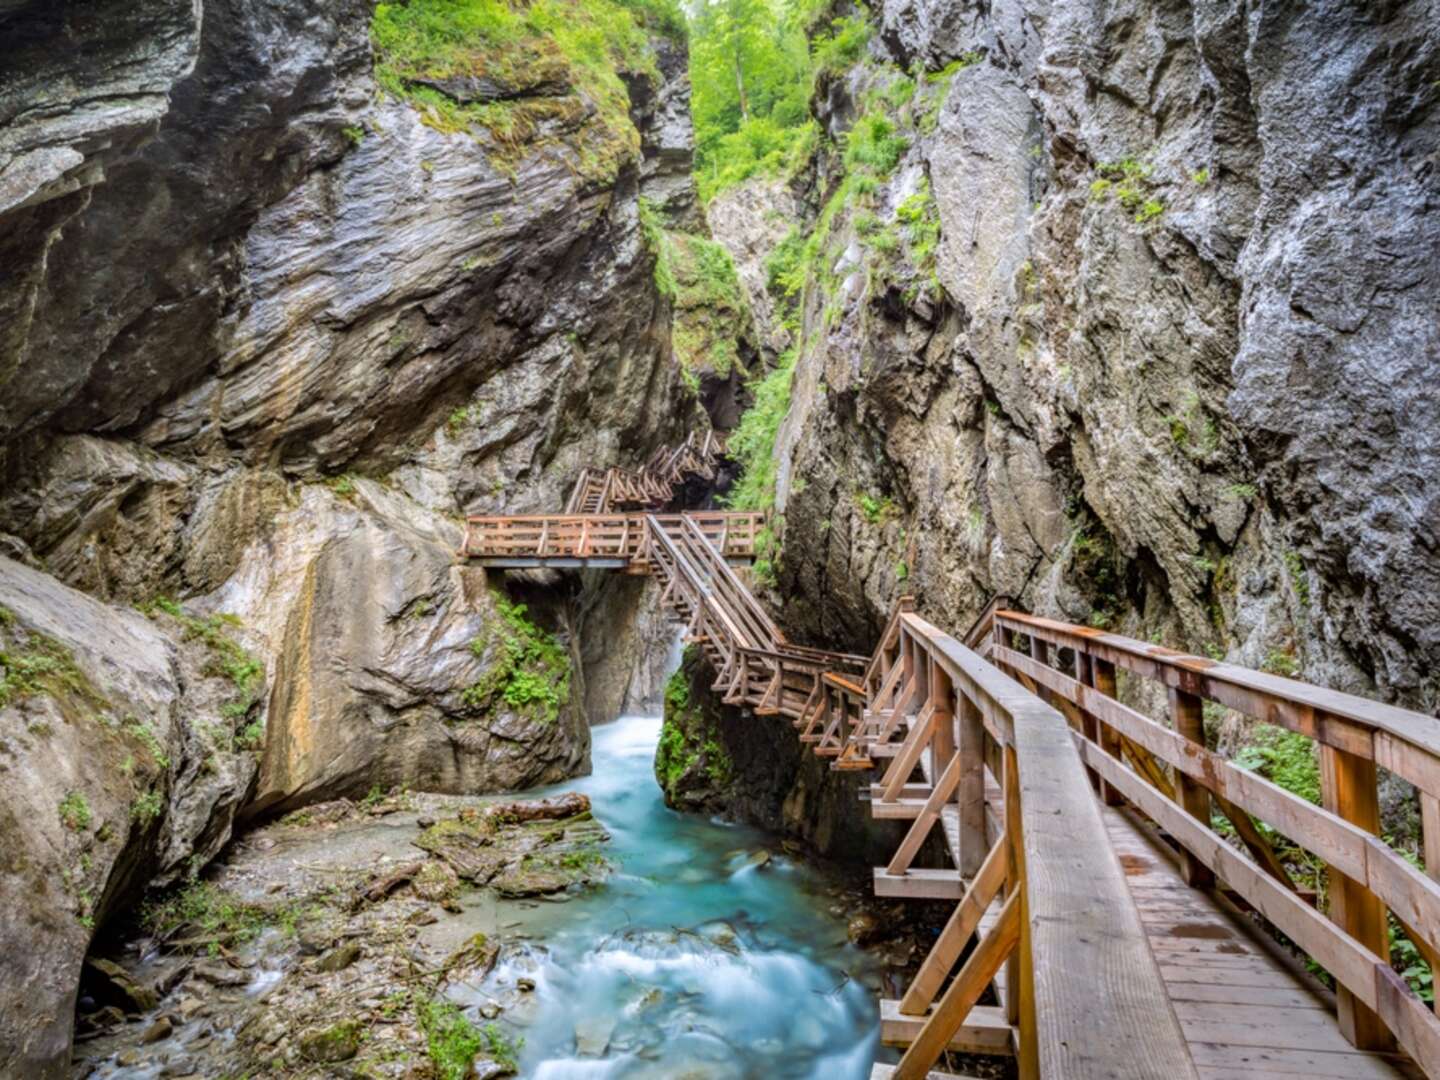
(1102, 926)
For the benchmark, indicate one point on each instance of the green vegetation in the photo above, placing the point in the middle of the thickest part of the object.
(205, 911)
(144, 734)
(1128, 182)
(354, 133)
(698, 276)
(1280, 662)
(228, 659)
(875, 511)
(147, 807)
(751, 73)
(1201, 176)
(873, 144)
(752, 444)
(75, 811)
(1243, 492)
(1285, 757)
(687, 741)
(531, 669)
(583, 45)
(454, 1042)
(37, 664)
(343, 485)
(1299, 581)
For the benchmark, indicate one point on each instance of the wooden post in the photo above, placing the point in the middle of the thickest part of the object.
(1187, 713)
(1104, 675)
(1348, 784)
(1020, 979)
(1040, 653)
(1089, 725)
(971, 793)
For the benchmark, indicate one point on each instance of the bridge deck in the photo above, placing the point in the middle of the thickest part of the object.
(1247, 1008)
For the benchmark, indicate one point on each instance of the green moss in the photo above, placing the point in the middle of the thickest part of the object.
(752, 443)
(75, 811)
(585, 44)
(687, 741)
(33, 663)
(530, 672)
(1280, 662)
(698, 276)
(876, 511)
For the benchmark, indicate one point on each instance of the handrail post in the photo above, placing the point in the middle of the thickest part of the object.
(1104, 675)
(1187, 713)
(1348, 787)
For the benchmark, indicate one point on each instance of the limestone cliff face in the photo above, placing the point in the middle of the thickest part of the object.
(1166, 367)
(266, 335)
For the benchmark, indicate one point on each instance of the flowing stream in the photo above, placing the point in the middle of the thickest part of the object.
(703, 956)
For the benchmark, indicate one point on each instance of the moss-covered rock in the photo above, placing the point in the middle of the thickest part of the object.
(691, 765)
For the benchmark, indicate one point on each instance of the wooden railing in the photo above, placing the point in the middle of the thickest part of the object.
(604, 536)
(1068, 927)
(754, 665)
(1169, 774)
(605, 491)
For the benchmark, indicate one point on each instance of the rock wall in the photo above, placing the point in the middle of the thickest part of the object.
(718, 760)
(122, 764)
(266, 334)
(1126, 313)
(1164, 368)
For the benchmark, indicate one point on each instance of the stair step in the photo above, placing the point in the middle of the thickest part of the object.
(985, 1031)
(920, 884)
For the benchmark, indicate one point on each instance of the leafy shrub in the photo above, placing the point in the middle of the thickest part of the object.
(752, 443)
(873, 143)
(75, 811)
(531, 674)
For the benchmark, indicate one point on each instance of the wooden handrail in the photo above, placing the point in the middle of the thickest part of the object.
(1353, 734)
(1081, 945)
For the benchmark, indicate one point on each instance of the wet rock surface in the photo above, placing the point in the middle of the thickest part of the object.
(287, 957)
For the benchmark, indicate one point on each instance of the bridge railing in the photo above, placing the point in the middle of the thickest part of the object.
(602, 536)
(1083, 987)
(1169, 774)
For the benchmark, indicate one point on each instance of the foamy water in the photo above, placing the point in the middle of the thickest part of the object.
(691, 960)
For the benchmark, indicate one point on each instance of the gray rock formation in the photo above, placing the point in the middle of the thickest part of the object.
(1176, 382)
(121, 766)
(265, 337)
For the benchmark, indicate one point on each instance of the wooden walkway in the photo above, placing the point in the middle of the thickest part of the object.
(1102, 926)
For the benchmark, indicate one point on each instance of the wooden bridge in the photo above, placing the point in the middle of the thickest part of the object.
(1121, 909)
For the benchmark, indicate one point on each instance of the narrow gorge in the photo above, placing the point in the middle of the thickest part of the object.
(1123, 315)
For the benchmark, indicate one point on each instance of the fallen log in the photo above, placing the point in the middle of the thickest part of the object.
(557, 806)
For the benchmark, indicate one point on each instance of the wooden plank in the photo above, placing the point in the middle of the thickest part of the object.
(920, 884)
(985, 1030)
(962, 994)
(958, 929)
(1229, 1061)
